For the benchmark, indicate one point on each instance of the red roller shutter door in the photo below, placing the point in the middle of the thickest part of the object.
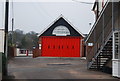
(61, 46)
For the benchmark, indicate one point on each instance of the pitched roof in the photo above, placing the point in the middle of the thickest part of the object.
(61, 16)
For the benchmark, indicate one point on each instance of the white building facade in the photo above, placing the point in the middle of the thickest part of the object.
(1, 50)
(105, 36)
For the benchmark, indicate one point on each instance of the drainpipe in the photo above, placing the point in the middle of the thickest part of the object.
(97, 15)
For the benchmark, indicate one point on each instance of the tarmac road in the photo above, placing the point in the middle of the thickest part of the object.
(52, 68)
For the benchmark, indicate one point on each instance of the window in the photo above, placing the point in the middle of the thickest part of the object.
(48, 47)
(90, 44)
(54, 47)
(72, 47)
(62, 47)
(116, 45)
(58, 47)
(67, 47)
(61, 31)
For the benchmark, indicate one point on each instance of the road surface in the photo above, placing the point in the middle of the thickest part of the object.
(52, 68)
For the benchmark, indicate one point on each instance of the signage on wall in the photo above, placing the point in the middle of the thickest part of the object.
(61, 31)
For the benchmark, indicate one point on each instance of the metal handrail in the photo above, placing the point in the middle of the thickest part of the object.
(98, 52)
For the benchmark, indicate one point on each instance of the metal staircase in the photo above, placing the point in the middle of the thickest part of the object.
(102, 57)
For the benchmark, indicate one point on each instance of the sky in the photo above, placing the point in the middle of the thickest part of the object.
(36, 16)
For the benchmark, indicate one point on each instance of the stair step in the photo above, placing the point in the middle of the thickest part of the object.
(100, 63)
(107, 50)
(106, 54)
(104, 57)
(95, 67)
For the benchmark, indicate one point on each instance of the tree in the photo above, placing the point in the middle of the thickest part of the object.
(23, 41)
(31, 40)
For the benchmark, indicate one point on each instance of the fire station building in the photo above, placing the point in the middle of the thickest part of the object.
(61, 39)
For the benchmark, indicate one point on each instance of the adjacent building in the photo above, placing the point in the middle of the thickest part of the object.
(1, 50)
(23, 52)
(103, 41)
(61, 39)
(2, 40)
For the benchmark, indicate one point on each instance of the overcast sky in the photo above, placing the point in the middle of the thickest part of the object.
(35, 16)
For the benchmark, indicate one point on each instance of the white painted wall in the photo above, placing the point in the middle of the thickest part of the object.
(115, 60)
(115, 68)
(101, 4)
(1, 50)
(0, 66)
(19, 54)
(17, 51)
(1, 40)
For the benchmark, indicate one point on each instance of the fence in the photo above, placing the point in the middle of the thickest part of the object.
(11, 52)
(36, 53)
